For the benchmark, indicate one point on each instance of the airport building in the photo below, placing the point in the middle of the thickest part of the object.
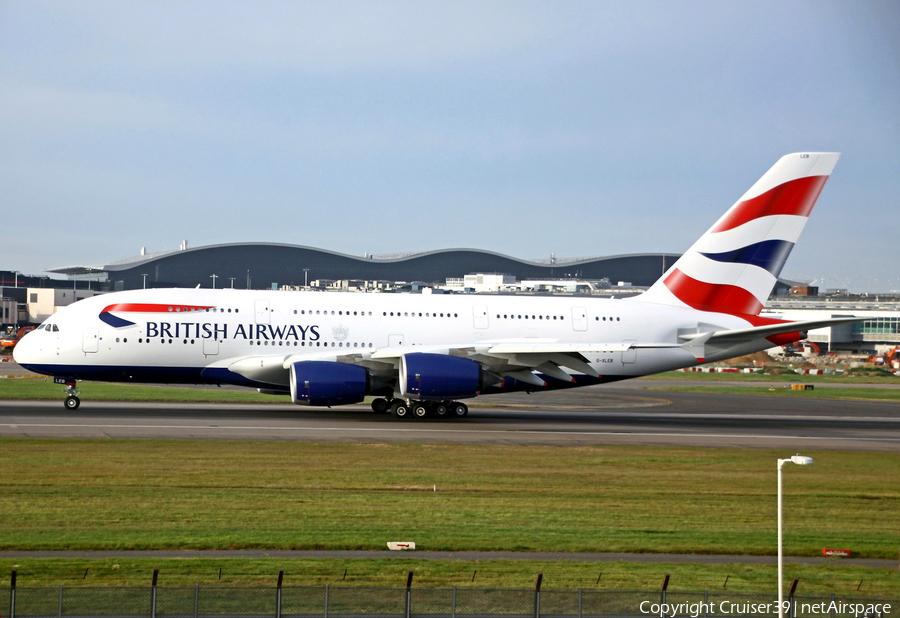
(880, 330)
(273, 266)
(44, 302)
(30, 299)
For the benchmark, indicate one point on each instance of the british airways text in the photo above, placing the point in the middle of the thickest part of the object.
(212, 330)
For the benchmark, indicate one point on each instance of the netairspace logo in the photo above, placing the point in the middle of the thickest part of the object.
(837, 607)
(727, 608)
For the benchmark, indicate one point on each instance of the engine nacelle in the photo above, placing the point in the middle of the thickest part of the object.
(326, 383)
(440, 377)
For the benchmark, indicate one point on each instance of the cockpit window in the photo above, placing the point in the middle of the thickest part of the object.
(55, 328)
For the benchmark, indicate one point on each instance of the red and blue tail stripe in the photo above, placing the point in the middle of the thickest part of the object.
(734, 266)
(796, 197)
(769, 255)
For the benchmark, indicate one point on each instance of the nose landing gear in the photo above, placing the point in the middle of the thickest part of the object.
(72, 401)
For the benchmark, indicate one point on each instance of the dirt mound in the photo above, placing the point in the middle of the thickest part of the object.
(757, 359)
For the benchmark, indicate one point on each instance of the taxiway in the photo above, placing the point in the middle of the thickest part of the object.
(589, 416)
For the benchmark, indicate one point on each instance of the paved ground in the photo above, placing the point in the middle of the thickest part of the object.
(594, 415)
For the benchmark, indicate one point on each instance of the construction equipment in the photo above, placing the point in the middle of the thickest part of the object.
(892, 358)
(11, 340)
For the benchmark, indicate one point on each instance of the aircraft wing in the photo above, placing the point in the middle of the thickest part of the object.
(513, 358)
(519, 358)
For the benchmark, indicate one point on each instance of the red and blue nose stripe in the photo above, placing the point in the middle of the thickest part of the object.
(117, 322)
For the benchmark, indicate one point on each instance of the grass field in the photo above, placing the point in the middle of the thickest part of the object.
(145, 494)
(882, 378)
(831, 392)
(45, 389)
(436, 574)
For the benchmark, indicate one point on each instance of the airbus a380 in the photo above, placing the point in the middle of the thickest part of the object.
(421, 354)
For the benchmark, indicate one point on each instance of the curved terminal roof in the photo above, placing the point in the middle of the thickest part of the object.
(259, 265)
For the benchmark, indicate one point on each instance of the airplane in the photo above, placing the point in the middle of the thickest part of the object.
(419, 355)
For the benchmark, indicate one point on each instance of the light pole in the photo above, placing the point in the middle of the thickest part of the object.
(144, 275)
(213, 277)
(800, 460)
(232, 282)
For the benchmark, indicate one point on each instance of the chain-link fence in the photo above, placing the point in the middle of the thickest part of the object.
(344, 602)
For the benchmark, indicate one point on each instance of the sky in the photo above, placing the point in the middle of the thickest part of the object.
(528, 128)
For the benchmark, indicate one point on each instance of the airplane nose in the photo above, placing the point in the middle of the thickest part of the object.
(24, 351)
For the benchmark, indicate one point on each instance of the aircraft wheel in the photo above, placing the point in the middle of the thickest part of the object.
(399, 409)
(440, 409)
(420, 410)
(380, 405)
(459, 409)
(72, 403)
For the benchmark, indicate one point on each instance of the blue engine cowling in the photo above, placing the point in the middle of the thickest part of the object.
(440, 377)
(326, 383)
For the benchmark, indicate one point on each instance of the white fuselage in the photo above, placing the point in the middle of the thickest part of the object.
(173, 335)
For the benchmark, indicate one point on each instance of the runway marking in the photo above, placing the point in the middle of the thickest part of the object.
(507, 432)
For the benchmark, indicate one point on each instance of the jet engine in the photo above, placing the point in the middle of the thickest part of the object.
(325, 383)
(440, 377)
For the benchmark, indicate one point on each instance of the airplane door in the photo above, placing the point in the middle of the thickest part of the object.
(629, 355)
(579, 318)
(480, 313)
(395, 340)
(210, 346)
(90, 341)
(262, 312)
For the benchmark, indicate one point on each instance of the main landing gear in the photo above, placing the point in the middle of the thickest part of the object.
(402, 408)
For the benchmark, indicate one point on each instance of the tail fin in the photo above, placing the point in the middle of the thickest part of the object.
(734, 266)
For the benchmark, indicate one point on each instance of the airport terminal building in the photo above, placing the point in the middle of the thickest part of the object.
(270, 265)
(277, 266)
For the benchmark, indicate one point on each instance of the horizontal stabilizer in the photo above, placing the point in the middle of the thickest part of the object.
(758, 332)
